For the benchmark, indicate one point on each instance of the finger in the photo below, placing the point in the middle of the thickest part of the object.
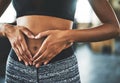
(50, 57)
(42, 58)
(19, 59)
(22, 54)
(42, 34)
(68, 45)
(22, 57)
(25, 49)
(38, 65)
(27, 54)
(27, 32)
(19, 56)
(41, 50)
(15, 49)
(48, 60)
(18, 46)
(39, 60)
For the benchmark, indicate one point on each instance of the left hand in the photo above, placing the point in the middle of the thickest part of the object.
(55, 41)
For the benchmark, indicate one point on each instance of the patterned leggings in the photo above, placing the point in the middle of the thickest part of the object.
(62, 71)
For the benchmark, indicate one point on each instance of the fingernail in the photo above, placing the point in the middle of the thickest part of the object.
(38, 36)
(26, 63)
(45, 63)
(37, 65)
(32, 36)
(19, 59)
(30, 63)
(33, 63)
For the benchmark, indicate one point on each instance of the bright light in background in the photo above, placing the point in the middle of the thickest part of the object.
(83, 12)
(9, 15)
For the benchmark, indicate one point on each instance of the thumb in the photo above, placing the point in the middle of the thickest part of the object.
(28, 33)
(42, 34)
(68, 45)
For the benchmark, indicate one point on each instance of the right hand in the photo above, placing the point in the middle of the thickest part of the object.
(15, 34)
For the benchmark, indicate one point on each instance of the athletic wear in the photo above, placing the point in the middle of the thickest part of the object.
(64, 54)
(58, 8)
(62, 71)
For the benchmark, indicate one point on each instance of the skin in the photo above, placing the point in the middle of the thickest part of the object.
(47, 36)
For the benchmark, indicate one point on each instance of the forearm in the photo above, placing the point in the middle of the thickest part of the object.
(3, 29)
(3, 5)
(109, 29)
(102, 32)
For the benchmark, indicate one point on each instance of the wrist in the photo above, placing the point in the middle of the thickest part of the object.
(4, 29)
(70, 36)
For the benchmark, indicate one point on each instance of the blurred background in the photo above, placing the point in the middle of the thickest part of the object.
(99, 62)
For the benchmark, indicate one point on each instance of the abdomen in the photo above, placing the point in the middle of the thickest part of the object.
(37, 24)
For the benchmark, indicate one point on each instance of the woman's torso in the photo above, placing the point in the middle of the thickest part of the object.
(40, 23)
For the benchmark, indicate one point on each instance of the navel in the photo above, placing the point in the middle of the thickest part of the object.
(35, 48)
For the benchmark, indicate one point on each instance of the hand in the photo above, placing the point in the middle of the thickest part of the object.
(18, 43)
(54, 43)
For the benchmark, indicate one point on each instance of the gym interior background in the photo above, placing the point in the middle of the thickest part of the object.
(99, 62)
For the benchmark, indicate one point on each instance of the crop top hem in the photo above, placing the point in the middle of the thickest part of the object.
(43, 14)
(57, 8)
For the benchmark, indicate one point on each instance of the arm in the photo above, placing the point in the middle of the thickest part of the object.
(57, 40)
(109, 29)
(3, 5)
(15, 36)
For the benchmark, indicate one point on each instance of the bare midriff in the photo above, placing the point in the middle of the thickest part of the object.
(39, 23)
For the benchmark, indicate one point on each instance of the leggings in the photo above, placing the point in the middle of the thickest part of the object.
(62, 71)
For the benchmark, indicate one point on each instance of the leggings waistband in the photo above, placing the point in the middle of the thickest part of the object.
(62, 55)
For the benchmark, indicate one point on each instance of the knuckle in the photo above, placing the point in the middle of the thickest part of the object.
(48, 57)
(24, 59)
(27, 52)
(55, 52)
(17, 40)
(28, 33)
(22, 53)
(49, 45)
(20, 39)
(24, 50)
(14, 45)
(22, 28)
